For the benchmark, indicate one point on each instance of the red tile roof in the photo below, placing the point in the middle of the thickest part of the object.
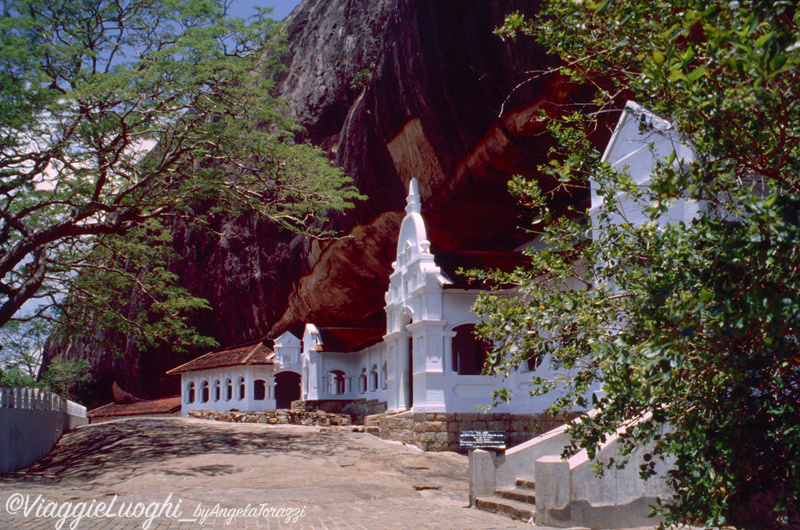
(346, 340)
(167, 405)
(248, 354)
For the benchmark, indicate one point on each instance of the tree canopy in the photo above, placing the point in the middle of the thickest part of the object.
(120, 119)
(692, 325)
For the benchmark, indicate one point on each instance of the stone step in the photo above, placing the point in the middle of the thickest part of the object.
(526, 483)
(525, 495)
(508, 507)
(372, 421)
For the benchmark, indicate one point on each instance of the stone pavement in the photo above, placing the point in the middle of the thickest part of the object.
(181, 473)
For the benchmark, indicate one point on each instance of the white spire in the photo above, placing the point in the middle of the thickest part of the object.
(412, 203)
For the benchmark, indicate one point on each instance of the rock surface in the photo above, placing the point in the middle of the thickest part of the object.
(392, 89)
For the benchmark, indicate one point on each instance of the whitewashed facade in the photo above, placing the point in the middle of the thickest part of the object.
(266, 380)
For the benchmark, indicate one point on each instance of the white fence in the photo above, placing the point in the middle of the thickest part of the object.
(31, 422)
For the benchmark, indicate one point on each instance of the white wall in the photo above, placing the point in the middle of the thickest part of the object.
(234, 373)
(31, 422)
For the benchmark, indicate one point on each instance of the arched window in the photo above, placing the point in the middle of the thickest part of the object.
(384, 375)
(469, 353)
(336, 382)
(362, 381)
(373, 378)
(259, 389)
(204, 392)
(190, 392)
(217, 393)
(241, 388)
(228, 389)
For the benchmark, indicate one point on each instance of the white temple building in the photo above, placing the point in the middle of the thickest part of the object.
(427, 359)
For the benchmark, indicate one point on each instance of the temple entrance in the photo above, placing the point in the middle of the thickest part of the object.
(287, 389)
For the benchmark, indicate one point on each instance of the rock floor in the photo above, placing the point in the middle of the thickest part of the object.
(189, 473)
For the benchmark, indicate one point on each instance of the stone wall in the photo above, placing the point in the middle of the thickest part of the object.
(358, 409)
(283, 416)
(438, 431)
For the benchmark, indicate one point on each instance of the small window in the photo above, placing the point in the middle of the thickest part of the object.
(228, 389)
(204, 392)
(384, 375)
(362, 381)
(190, 392)
(336, 383)
(373, 378)
(217, 393)
(241, 388)
(259, 389)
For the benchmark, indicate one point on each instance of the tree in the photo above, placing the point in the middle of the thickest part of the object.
(21, 355)
(694, 326)
(67, 378)
(119, 120)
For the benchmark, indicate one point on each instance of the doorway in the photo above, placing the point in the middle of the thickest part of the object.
(287, 389)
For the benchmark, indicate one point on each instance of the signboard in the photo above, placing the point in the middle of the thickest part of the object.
(482, 439)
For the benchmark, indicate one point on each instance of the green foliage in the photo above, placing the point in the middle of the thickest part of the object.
(362, 77)
(67, 378)
(15, 376)
(121, 120)
(21, 347)
(695, 325)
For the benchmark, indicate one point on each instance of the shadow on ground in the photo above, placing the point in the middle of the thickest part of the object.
(88, 452)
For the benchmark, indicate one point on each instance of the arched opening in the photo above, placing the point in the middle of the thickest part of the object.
(259, 389)
(362, 381)
(469, 353)
(336, 384)
(190, 392)
(373, 378)
(287, 389)
(217, 393)
(204, 392)
(241, 388)
(228, 389)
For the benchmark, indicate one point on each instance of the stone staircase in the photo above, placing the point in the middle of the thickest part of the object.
(518, 502)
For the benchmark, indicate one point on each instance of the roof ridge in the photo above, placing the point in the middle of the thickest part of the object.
(253, 352)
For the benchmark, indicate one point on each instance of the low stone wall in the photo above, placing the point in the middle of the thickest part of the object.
(283, 416)
(354, 407)
(31, 422)
(438, 431)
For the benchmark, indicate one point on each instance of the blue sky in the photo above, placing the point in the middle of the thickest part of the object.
(244, 8)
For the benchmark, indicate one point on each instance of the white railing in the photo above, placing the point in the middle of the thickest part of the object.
(38, 399)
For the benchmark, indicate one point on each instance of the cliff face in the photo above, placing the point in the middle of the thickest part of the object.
(428, 110)
(392, 89)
